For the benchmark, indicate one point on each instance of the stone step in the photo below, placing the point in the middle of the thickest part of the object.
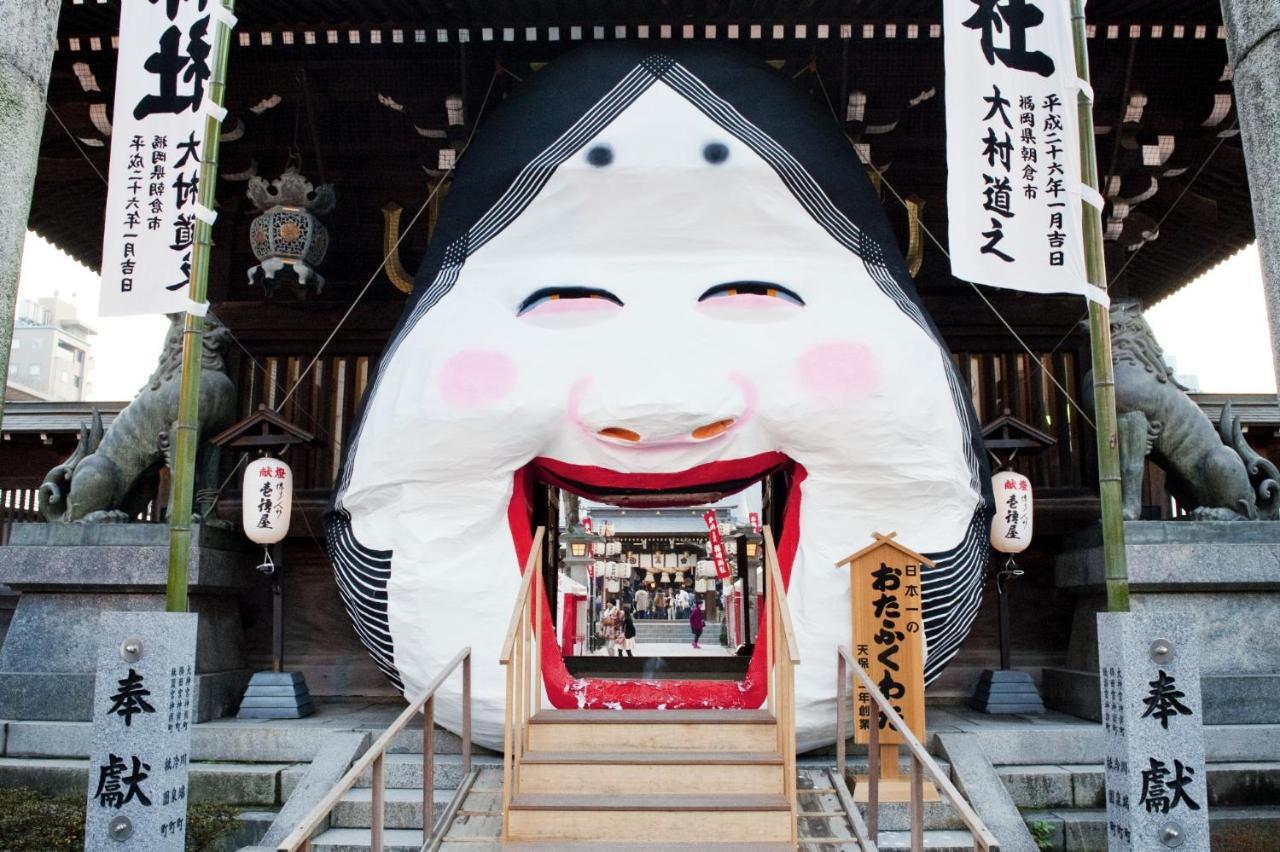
(402, 807)
(401, 770)
(357, 840)
(1041, 786)
(256, 784)
(934, 841)
(410, 840)
(404, 771)
(1230, 829)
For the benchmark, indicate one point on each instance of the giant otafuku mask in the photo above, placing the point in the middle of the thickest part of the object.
(659, 270)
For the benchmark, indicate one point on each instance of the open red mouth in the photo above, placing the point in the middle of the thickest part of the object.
(702, 484)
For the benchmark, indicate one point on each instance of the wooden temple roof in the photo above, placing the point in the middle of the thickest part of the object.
(358, 88)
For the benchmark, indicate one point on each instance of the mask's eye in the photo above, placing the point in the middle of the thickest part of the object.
(551, 300)
(763, 289)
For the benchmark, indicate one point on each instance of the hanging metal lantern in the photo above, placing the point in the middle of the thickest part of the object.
(1011, 527)
(267, 500)
(287, 234)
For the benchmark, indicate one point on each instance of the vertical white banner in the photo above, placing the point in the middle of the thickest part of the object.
(1013, 156)
(162, 96)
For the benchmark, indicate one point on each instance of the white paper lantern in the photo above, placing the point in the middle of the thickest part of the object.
(597, 548)
(700, 586)
(611, 585)
(1011, 527)
(266, 500)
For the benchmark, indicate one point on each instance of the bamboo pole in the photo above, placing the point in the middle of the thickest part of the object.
(187, 435)
(1104, 383)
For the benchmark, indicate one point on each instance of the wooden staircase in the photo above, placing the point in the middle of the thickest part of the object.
(597, 776)
(647, 777)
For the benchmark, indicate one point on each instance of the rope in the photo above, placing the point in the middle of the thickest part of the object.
(76, 142)
(1035, 359)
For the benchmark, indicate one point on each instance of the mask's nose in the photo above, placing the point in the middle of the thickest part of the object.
(621, 417)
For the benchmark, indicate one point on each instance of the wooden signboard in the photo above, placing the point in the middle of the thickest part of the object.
(888, 643)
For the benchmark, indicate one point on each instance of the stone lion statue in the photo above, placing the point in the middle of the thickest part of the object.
(1213, 472)
(112, 474)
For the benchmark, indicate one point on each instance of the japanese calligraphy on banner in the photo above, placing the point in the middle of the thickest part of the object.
(716, 542)
(145, 694)
(161, 101)
(888, 635)
(1013, 157)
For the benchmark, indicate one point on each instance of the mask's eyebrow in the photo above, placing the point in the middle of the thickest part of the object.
(566, 293)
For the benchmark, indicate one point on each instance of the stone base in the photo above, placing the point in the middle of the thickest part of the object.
(63, 697)
(69, 573)
(276, 695)
(1006, 691)
(1227, 699)
(1227, 573)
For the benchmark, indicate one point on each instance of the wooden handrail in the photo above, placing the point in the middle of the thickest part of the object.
(521, 658)
(784, 612)
(782, 656)
(535, 558)
(920, 759)
(300, 837)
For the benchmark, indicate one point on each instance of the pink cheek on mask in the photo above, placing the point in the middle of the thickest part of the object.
(477, 377)
(838, 372)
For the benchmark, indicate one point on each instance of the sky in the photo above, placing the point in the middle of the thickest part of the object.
(1214, 329)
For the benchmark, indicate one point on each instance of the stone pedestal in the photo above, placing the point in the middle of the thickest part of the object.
(1228, 574)
(69, 573)
(1157, 789)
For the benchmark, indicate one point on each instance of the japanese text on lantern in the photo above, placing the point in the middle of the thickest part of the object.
(271, 493)
(1015, 503)
(162, 93)
(888, 630)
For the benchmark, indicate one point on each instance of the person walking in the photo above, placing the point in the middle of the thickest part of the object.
(642, 602)
(628, 632)
(610, 622)
(697, 623)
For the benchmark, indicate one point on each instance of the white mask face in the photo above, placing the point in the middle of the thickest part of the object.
(664, 315)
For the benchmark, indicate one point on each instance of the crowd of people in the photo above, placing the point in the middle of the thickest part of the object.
(617, 624)
(671, 604)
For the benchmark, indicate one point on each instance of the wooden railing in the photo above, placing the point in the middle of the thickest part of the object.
(300, 838)
(522, 658)
(921, 763)
(783, 657)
